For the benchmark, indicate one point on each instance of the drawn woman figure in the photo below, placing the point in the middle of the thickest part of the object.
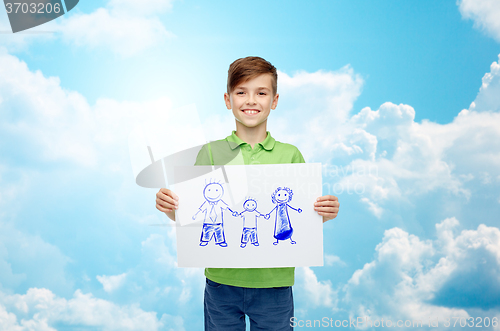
(282, 227)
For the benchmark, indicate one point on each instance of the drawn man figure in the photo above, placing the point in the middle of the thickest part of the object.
(250, 215)
(282, 227)
(213, 225)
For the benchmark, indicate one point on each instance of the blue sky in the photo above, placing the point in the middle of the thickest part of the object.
(409, 90)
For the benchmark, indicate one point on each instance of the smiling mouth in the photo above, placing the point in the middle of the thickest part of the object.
(251, 111)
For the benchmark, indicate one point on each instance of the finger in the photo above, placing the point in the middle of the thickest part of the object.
(327, 197)
(167, 199)
(166, 192)
(327, 209)
(165, 204)
(327, 216)
(325, 203)
(169, 193)
(168, 203)
(164, 210)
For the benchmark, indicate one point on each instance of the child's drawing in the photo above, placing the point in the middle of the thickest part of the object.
(282, 227)
(213, 225)
(250, 215)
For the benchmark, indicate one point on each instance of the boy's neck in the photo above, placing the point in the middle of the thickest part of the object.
(251, 136)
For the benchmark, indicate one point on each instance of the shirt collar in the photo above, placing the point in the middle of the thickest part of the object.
(235, 141)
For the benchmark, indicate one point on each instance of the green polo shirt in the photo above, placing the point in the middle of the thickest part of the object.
(270, 151)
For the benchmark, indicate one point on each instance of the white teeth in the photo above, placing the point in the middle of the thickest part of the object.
(251, 112)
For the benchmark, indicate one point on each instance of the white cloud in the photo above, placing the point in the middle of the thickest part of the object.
(484, 13)
(47, 110)
(384, 155)
(454, 275)
(19, 41)
(111, 283)
(373, 207)
(27, 258)
(126, 27)
(48, 123)
(488, 98)
(155, 250)
(319, 293)
(72, 133)
(41, 309)
(327, 95)
(331, 260)
(80, 137)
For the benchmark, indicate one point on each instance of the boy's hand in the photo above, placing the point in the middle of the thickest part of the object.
(235, 213)
(327, 206)
(166, 200)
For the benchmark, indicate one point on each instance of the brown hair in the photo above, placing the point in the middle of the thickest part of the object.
(248, 68)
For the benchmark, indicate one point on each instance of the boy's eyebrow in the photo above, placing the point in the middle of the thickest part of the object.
(258, 88)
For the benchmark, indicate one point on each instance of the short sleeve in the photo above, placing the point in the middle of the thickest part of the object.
(203, 157)
(297, 157)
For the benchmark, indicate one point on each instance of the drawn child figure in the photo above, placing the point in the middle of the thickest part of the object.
(282, 227)
(213, 225)
(250, 215)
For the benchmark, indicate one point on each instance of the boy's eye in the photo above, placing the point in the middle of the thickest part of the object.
(240, 93)
(262, 93)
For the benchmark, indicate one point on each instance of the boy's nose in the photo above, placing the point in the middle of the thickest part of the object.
(251, 100)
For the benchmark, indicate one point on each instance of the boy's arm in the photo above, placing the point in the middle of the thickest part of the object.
(167, 201)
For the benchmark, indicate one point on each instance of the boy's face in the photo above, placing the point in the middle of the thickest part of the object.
(252, 101)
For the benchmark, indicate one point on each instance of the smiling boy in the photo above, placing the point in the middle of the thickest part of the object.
(263, 294)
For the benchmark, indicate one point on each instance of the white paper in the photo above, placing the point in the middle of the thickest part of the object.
(210, 235)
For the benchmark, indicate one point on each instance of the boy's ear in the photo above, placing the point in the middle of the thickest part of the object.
(275, 101)
(227, 100)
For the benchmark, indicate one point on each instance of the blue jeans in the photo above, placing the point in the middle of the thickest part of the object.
(267, 308)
